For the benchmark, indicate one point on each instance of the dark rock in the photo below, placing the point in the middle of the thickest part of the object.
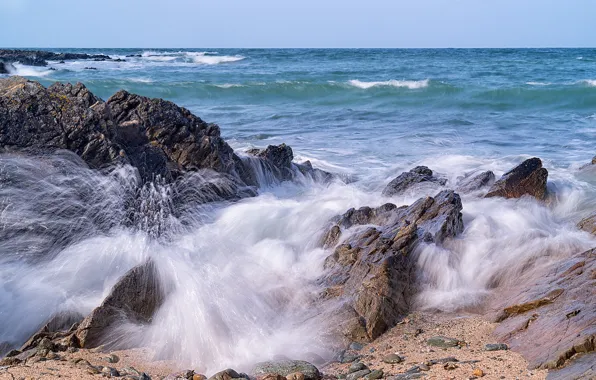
(392, 359)
(418, 175)
(90, 68)
(110, 372)
(135, 298)
(12, 353)
(347, 357)
(226, 374)
(495, 347)
(444, 342)
(40, 58)
(588, 224)
(358, 374)
(6, 68)
(286, 367)
(528, 178)
(473, 183)
(374, 375)
(357, 366)
(374, 271)
(548, 315)
(57, 328)
(134, 56)
(356, 346)
(118, 60)
(10, 361)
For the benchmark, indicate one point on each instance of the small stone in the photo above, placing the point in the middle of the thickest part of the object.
(356, 346)
(424, 367)
(271, 376)
(144, 376)
(295, 376)
(42, 352)
(496, 347)
(444, 342)
(112, 358)
(392, 359)
(110, 372)
(356, 366)
(92, 370)
(45, 344)
(478, 372)
(372, 350)
(198, 376)
(349, 358)
(358, 374)
(374, 375)
(450, 366)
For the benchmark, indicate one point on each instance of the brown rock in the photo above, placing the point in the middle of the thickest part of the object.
(528, 178)
(478, 372)
(198, 376)
(588, 224)
(135, 298)
(295, 376)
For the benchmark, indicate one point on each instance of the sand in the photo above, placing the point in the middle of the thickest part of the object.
(407, 339)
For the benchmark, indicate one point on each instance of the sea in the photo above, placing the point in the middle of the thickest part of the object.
(364, 114)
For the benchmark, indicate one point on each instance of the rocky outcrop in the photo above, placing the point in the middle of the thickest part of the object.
(473, 183)
(550, 316)
(5, 67)
(135, 298)
(373, 271)
(528, 178)
(41, 58)
(418, 175)
(588, 224)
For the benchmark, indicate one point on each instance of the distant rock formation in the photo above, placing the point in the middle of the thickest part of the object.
(41, 57)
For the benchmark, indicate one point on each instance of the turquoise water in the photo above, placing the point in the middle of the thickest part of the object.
(381, 106)
(369, 114)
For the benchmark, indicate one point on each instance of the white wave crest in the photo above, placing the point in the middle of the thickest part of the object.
(28, 71)
(229, 85)
(589, 82)
(215, 60)
(411, 84)
(538, 83)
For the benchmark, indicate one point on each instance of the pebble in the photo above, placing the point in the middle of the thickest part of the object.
(450, 366)
(444, 342)
(392, 359)
(478, 372)
(424, 367)
(356, 366)
(356, 346)
(374, 375)
(496, 347)
(110, 372)
(112, 358)
(358, 374)
(349, 358)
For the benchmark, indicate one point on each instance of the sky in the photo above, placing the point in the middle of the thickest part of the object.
(298, 23)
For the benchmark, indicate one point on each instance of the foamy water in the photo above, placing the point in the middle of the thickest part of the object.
(242, 276)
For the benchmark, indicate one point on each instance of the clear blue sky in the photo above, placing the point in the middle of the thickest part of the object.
(298, 23)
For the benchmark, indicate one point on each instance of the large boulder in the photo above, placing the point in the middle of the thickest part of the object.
(373, 271)
(549, 314)
(528, 178)
(418, 175)
(134, 299)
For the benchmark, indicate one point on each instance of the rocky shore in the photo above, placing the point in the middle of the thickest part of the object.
(41, 57)
(370, 279)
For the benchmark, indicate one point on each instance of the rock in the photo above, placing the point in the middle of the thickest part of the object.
(295, 376)
(286, 367)
(374, 375)
(495, 347)
(478, 372)
(588, 224)
(473, 183)
(450, 366)
(272, 376)
(110, 372)
(358, 374)
(418, 175)
(10, 361)
(198, 376)
(583, 367)
(374, 272)
(135, 298)
(90, 68)
(357, 366)
(226, 374)
(349, 358)
(548, 314)
(40, 58)
(112, 358)
(528, 178)
(6, 68)
(392, 359)
(424, 367)
(444, 342)
(356, 346)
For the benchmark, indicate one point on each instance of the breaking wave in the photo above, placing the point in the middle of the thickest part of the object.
(411, 84)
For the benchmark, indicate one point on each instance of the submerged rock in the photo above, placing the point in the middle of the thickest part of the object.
(528, 178)
(135, 298)
(420, 174)
(475, 182)
(287, 367)
(549, 315)
(588, 224)
(374, 271)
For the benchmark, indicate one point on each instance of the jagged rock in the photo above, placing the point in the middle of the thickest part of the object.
(528, 178)
(475, 182)
(588, 224)
(420, 174)
(549, 315)
(58, 329)
(135, 298)
(6, 67)
(40, 58)
(374, 272)
(287, 367)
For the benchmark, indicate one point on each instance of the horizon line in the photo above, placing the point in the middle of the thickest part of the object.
(305, 48)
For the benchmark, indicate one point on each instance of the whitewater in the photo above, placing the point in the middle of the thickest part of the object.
(241, 275)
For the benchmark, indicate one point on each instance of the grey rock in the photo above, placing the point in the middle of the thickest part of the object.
(110, 372)
(392, 359)
(349, 357)
(475, 182)
(449, 359)
(286, 367)
(358, 374)
(420, 174)
(495, 347)
(357, 366)
(374, 375)
(226, 374)
(356, 346)
(443, 342)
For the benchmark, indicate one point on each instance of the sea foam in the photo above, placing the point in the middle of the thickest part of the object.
(411, 84)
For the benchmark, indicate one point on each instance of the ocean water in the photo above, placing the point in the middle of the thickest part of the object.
(365, 114)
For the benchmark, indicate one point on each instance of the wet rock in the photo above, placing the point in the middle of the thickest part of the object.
(588, 224)
(90, 68)
(110, 372)
(374, 271)
(6, 68)
(349, 357)
(226, 374)
(528, 178)
(473, 183)
(40, 58)
(286, 367)
(295, 376)
(358, 374)
(495, 347)
(135, 298)
(418, 175)
(112, 358)
(392, 359)
(198, 376)
(444, 342)
(10, 361)
(357, 366)
(374, 375)
(548, 315)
